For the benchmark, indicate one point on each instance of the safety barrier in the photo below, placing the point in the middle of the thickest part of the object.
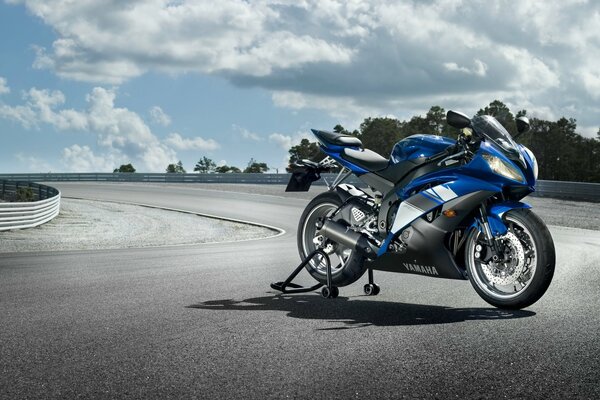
(556, 189)
(568, 190)
(26, 204)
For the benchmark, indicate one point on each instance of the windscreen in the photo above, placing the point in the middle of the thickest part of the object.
(493, 130)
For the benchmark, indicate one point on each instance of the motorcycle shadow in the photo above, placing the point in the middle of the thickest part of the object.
(364, 311)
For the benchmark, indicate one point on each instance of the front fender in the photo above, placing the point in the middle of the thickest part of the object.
(497, 210)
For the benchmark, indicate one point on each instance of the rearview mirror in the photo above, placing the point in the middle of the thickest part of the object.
(458, 119)
(522, 125)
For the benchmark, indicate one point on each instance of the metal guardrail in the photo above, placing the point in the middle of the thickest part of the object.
(556, 189)
(151, 177)
(15, 214)
(568, 190)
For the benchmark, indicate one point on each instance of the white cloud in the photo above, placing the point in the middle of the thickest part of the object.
(478, 69)
(112, 43)
(197, 143)
(371, 55)
(159, 116)
(20, 114)
(287, 141)
(33, 164)
(591, 82)
(245, 133)
(78, 158)
(3, 87)
(121, 132)
(284, 141)
(124, 130)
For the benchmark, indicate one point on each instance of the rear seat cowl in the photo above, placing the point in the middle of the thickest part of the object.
(337, 139)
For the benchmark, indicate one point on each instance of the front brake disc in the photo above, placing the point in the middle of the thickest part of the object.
(508, 272)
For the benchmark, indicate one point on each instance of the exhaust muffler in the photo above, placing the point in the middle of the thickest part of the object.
(345, 236)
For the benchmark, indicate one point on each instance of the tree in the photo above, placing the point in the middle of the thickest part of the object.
(340, 129)
(501, 112)
(205, 165)
(256, 167)
(305, 150)
(125, 168)
(380, 134)
(226, 169)
(176, 168)
(561, 152)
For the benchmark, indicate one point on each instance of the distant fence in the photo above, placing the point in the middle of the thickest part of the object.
(556, 189)
(26, 204)
(568, 190)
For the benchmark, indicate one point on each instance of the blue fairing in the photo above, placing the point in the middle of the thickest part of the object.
(478, 168)
(496, 212)
(416, 146)
(529, 172)
(446, 183)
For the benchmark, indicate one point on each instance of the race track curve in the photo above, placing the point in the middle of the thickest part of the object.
(201, 321)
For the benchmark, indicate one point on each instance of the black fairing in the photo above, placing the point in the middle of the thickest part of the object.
(426, 251)
(395, 172)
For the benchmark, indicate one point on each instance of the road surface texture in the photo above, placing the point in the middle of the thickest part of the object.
(200, 321)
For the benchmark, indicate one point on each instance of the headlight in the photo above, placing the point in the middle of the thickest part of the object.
(535, 164)
(503, 168)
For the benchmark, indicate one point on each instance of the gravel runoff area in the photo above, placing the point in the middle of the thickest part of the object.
(89, 225)
(572, 214)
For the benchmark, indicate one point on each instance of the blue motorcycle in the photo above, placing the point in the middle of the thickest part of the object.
(438, 207)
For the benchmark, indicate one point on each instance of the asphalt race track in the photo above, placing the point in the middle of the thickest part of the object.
(201, 321)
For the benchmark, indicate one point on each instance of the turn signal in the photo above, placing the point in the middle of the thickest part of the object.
(449, 213)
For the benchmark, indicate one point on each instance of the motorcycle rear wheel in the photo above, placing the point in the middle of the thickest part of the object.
(522, 281)
(346, 265)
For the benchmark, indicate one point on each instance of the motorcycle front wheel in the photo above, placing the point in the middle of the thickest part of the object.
(523, 275)
(346, 265)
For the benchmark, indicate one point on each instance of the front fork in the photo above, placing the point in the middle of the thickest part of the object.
(490, 223)
(490, 239)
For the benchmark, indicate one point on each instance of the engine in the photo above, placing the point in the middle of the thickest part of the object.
(361, 214)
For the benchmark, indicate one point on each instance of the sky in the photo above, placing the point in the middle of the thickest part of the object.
(88, 85)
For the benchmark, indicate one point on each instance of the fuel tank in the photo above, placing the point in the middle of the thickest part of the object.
(416, 146)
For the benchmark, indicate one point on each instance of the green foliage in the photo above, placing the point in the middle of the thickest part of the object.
(500, 111)
(340, 129)
(175, 168)
(255, 167)
(305, 150)
(205, 165)
(125, 168)
(24, 194)
(226, 169)
(380, 134)
(562, 153)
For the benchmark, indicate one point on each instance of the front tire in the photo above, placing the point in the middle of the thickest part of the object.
(346, 265)
(525, 278)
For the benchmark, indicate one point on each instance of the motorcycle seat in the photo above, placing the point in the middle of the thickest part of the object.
(366, 159)
(337, 139)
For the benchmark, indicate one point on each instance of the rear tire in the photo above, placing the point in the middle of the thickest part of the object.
(346, 265)
(534, 275)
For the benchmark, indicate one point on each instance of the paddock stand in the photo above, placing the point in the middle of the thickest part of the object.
(329, 291)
